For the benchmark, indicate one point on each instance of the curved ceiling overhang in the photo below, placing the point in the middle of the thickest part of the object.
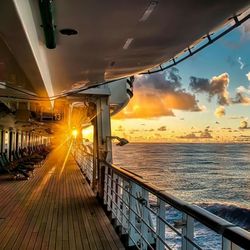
(105, 40)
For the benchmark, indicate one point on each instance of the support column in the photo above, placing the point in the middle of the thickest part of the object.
(11, 137)
(6, 142)
(102, 140)
(22, 140)
(1, 140)
(29, 139)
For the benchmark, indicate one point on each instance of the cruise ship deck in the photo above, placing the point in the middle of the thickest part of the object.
(55, 209)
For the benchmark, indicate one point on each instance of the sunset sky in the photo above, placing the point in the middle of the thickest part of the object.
(203, 99)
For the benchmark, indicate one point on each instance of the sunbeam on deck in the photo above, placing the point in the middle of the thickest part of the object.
(53, 210)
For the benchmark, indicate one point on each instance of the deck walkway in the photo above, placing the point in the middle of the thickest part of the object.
(55, 209)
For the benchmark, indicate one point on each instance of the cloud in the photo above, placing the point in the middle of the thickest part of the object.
(199, 85)
(242, 89)
(188, 136)
(244, 138)
(241, 99)
(244, 124)
(162, 128)
(220, 111)
(241, 96)
(157, 135)
(158, 95)
(245, 30)
(120, 129)
(134, 130)
(203, 135)
(206, 134)
(248, 76)
(145, 105)
(217, 86)
(236, 117)
(242, 65)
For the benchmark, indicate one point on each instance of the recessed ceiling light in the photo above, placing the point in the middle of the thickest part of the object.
(68, 32)
(148, 11)
(127, 43)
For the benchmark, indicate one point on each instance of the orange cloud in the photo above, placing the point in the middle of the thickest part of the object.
(145, 105)
(220, 111)
(217, 86)
(203, 135)
(157, 95)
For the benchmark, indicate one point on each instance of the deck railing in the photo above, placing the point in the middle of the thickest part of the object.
(151, 218)
(142, 211)
(85, 161)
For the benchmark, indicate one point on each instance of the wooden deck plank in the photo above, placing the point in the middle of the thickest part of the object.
(56, 209)
(86, 232)
(28, 218)
(17, 211)
(90, 207)
(49, 218)
(71, 235)
(29, 215)
(79, 227)
(87, 215)
(104, 223)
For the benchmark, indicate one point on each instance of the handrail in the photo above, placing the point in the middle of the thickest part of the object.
(210, 40)
(230, 231)
(85, 161)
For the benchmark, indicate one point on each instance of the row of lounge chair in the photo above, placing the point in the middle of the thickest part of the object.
(23, 161)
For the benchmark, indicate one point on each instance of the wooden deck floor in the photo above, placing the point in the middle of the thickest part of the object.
(55, 209)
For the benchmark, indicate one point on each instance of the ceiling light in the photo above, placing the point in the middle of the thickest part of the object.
(148, 11)
(127, 43)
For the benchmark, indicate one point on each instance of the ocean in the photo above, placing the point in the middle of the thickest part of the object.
(213, 176)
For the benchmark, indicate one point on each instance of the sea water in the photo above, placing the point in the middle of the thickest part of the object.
(213, 176)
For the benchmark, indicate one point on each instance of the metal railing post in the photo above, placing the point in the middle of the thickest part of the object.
(114, 196)
(226, 244)
(109, 189)
(119, 201)
(146, 233)
(105, 198)
(125, 209)
(160, 225)
(235, 247)
(133, 235)
(127, 198)
(187, 232)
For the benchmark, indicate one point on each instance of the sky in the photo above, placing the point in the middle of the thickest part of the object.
(204, 99)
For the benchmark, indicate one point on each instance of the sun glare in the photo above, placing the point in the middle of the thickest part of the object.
(74, 133)
(87, 133)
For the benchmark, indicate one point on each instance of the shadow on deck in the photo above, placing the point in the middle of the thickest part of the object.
(55, 209)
